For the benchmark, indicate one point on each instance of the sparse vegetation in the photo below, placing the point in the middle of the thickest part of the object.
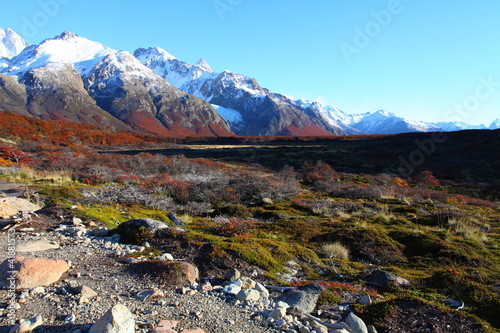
(334, 218)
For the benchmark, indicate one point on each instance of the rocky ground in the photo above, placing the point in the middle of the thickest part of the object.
(102, 274)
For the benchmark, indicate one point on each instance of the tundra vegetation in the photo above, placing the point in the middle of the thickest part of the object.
(336, 224)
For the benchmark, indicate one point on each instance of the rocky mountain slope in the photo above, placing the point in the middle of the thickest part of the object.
(72, 78)
(255, 110)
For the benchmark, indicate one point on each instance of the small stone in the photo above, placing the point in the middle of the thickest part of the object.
(247, 283)
(264, 293)
(207, 286)
(166, 257)
(234, 287)
(232, 274)
(277, 313)
(248, 295)
(190, 272)
(320, 329)
(70, 319)
(371, 329)
(365, 300)
(304, 329)
(150, 293)
(37, 290)
(100, 232)
(83, 300)
(87, 292)
(27, 325)
(118, 319)
(356, 324)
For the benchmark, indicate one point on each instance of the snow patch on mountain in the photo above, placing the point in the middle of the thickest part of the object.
(233, 117)
(11, 44)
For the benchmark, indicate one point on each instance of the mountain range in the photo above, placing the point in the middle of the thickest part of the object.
(69, 77)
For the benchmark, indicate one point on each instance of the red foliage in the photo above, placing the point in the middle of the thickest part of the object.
(14, 154)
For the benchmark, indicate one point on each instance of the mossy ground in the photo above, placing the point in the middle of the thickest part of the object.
(414, 237)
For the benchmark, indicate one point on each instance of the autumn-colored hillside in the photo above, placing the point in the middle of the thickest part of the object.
(56, 132)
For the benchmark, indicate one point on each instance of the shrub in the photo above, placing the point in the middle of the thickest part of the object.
(335, 251)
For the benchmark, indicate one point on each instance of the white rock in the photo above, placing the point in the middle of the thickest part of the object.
(365, 300)
(248, 295)
(36, 246)
(277, 313)
(356, 324)
(118, 319)
(27, 325)
(166, 257)
(264, 293)
(234, 287)
(37, 290)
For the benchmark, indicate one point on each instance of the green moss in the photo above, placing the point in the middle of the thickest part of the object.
(112, 216)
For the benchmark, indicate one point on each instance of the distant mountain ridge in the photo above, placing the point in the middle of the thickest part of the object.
(72, 78)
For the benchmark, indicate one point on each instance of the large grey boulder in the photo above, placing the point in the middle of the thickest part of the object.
(118, 319)
(302, 300)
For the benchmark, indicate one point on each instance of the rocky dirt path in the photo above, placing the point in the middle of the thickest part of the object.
(94, 265)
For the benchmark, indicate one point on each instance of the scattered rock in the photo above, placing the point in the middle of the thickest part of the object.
(381, 278)
(365, 300)
(264, 293)
(277, 313)
(36, 246)
(100, 232)
(248, 295)
(356, 324)
(11, 206)
(27, 325)
(77, 221)
(302, 300)
(150, 293)
(118, 319)
(247, 283)
(166, 326)
(32, 272)
(166, 257)
(37, 291)
(232, 274)
(87, 292)
(233, 288)
(190, 272)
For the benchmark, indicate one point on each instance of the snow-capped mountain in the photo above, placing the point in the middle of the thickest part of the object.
(383, 122)
(73, 78)
(11, 44)
(457, 126)
(253, 110)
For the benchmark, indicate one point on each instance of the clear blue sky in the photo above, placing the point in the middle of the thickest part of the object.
(421, 59)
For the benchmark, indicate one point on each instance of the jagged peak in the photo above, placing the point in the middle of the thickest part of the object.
(153, 52)
(66, 35)
(204, 65)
